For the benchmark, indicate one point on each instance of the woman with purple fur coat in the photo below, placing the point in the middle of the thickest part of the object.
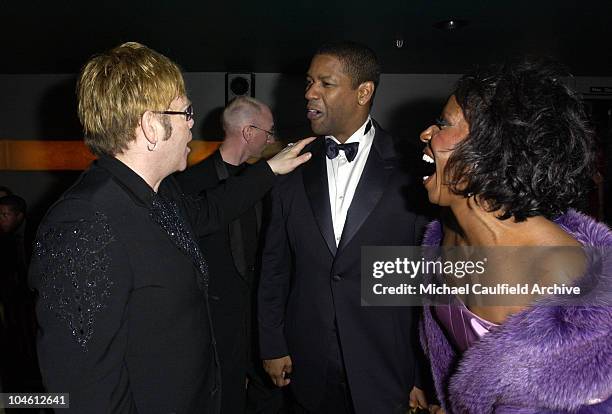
(511, 156)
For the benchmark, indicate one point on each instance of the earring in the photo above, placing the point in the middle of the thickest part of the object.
(152, 148)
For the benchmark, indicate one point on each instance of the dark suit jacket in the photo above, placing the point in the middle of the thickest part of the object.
(229, 241)
(123, 310)
(231, 254)
(308, 285)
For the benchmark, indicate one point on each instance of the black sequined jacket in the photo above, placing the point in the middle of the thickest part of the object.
(123, 309)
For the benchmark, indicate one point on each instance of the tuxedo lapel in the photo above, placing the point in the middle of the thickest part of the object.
(371, 185)
(315, 183)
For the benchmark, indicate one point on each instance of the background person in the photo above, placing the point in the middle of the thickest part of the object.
(4, 191)
(18, 364)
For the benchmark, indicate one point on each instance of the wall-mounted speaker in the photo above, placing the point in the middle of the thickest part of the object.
(239, 84)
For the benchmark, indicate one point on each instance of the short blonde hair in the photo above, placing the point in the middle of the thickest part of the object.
(114, 90)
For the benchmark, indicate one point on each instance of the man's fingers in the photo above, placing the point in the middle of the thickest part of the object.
(282, 379)
(302, 159)
(417, 398)
(289, 159)
(286, 372)
(436, 409)
(299, 146)
(279, 381)
(278, 369)
(422, 400)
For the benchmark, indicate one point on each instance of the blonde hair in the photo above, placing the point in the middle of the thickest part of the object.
(114, 90)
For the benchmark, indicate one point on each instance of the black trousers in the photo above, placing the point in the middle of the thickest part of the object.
(337, 396)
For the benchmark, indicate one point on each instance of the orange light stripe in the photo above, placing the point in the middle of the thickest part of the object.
(69, 155)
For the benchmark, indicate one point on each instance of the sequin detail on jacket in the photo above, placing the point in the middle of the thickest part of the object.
(74, 272)
(167, 215)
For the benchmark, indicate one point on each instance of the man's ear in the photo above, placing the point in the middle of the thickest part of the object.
(365, 91)
(247, 133)
(151, 127)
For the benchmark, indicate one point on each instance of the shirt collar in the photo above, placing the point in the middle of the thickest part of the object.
(360, 133)
(134, 184)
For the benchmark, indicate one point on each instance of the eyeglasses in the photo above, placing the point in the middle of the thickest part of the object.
(187, 112)
(270, 134)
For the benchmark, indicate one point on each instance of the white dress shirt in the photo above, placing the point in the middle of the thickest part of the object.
(343, 176)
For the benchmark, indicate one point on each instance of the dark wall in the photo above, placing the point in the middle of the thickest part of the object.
(40, 107)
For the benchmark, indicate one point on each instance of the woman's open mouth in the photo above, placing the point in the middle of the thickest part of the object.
(429, 168)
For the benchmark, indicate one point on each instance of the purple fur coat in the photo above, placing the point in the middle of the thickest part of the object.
(544, 360)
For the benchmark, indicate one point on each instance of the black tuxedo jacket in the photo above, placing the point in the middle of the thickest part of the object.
(123, 309)
(310, 288)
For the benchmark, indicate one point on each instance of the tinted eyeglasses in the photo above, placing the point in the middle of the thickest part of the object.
(187, 112)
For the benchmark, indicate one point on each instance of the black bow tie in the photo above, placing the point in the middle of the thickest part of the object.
(332, 148)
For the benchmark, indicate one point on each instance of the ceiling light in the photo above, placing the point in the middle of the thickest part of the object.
(450, 24)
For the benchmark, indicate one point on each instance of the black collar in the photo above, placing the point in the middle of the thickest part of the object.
(134, 184)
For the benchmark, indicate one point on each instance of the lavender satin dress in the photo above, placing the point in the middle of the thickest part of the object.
(462, 326)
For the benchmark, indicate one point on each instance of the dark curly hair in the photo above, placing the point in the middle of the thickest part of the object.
(530, 149)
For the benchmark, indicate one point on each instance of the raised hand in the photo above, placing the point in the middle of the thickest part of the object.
(289, 158)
